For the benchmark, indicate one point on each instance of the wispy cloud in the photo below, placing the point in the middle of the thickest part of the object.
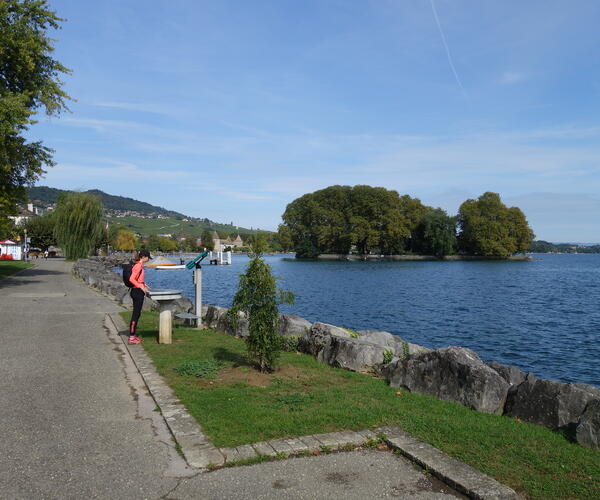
(511, 77)
(450, 62)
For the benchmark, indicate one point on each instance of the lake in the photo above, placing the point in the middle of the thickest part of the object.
(542, 316)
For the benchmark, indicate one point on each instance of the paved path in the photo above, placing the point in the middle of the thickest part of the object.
(76, 420)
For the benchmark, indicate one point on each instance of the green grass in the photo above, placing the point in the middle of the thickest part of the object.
(8, 267)
(241, 406)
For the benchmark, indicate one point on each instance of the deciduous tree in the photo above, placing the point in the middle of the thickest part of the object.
(29, 83)
(77, 223)
(490, 228)
(41, 231)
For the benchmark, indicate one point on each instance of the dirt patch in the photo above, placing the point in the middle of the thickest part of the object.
(253, 377)
(235, 374)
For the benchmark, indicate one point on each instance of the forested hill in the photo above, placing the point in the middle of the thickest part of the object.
(45, 196)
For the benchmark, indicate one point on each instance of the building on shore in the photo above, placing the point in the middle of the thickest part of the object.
(220, 244)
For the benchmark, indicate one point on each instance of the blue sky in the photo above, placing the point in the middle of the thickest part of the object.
(231, 109)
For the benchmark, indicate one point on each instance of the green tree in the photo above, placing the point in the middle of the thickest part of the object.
(41, 231)
(284, 237)
(167, 245)
(190, 244)
(489, 228)
(29, 83)
(436, 234)
(207, 240)
(153, 243)
(126, 241)
(257, 297)
(77, 224)
(334, 219)
(8, 229)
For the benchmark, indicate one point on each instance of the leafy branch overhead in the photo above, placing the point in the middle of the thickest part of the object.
(30, 82)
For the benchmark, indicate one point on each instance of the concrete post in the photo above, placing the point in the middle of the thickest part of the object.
(198, 296)
(165, 327)
(229, 257)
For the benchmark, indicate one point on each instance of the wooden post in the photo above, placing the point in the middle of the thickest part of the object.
(165, 327)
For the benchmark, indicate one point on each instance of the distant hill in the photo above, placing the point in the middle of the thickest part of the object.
(139, 216)
(48, 196)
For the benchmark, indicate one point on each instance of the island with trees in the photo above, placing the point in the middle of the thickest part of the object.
(366, 220)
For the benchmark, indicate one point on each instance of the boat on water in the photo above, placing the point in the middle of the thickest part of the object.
(160, 261)
(170, 266)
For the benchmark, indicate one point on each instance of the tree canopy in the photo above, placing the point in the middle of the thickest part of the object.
(29, 83)
(339, 218)
(78, 226)
(488, 227)
(365, 219)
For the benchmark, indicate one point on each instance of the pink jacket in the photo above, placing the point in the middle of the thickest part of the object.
(137, 275)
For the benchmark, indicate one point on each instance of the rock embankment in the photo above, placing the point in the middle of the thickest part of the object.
(451, 373)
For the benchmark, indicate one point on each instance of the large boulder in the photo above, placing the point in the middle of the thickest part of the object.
(396, 344)
(240, 330)
(549, 403)
(319, 336)
(510, 373)
(588, 430)
(291, 325)
(216, 317)
(352, 354)
(452, 374)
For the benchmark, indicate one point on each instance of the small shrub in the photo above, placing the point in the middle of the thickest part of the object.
(291, 344)
(388, 355)
(203, 369)
(405, 348)
(353, 334)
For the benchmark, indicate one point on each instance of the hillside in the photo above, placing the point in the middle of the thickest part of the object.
(139, 216)
(47, 196)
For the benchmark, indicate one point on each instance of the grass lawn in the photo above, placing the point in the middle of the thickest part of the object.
(238, 405)
(8, 267)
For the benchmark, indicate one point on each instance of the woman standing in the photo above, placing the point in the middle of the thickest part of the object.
(138, 292)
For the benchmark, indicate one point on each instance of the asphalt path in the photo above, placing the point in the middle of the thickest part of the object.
(76, 420)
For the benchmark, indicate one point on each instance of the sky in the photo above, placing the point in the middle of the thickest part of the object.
(231, 109)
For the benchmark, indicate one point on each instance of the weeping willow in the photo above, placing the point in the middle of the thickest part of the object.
(77, 224)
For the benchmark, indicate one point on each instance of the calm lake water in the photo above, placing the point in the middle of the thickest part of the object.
(541, 316)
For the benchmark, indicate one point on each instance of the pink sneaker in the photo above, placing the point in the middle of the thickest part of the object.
(134, 340)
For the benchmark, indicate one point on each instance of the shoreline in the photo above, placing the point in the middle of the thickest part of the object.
(408, 257)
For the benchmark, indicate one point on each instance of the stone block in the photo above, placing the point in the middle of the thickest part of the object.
(510, 373)
(291, 325)
(452, 374)
(549, 403)
(588, 429)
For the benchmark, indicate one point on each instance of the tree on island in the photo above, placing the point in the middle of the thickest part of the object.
(338, 218)
(365, 219)
(78, 225)
(436, 234)
(490, 228)
(29, 83)
(257, 297)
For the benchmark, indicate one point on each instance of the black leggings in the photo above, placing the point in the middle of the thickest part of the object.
(137, 295)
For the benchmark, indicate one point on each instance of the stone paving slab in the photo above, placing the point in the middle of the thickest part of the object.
(264, 448)
(297, 445)
(281, 446)
(311, 443)
(459, 475)
(331, 439)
